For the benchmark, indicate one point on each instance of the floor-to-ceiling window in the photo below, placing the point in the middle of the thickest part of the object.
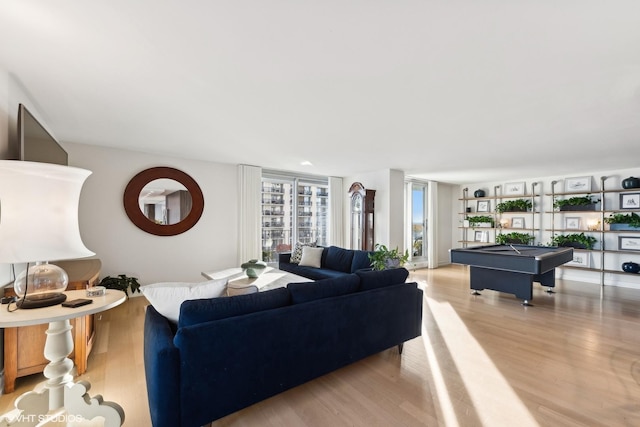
(294, 209)
(417, 195)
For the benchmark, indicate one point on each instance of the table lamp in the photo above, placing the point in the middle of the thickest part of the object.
(39, 222)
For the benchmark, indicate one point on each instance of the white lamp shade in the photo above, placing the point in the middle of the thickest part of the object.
(39, 212)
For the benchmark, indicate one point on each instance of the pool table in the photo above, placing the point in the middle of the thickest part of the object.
(512, 268)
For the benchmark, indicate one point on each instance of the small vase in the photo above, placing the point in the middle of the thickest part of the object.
(631, 267)
(253, 268)
(478, 193)
(391, 263)
(631, 182)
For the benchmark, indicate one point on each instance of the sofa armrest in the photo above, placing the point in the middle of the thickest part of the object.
(284, 257)
(162, 369)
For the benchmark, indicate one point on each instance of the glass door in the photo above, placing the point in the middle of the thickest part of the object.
(418, 196)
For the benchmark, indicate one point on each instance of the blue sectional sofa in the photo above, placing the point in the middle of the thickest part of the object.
(335, 262)
(228, 353)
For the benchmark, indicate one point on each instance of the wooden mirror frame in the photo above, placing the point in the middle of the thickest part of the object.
(135, 214)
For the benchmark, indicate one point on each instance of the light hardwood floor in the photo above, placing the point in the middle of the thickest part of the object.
(571, 360)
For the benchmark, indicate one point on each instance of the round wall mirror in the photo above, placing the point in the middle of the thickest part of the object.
(163, 201)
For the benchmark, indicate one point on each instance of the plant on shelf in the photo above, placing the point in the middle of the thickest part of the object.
(122, 283)
(480, 219)
(631, 219)
(580, 203)
(575, 240)
(383, 258)
(515, 237)
(517, 205)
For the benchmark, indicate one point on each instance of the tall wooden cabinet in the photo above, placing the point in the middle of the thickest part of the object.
(362, 212)
(23, 345)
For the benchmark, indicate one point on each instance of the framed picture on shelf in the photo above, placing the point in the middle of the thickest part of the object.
(630, 201)
(481, 236)
(580, 259)
(628, 243)
(517, 222)
(483, 206)
(580, 184)
(514, 189)
(572, 223)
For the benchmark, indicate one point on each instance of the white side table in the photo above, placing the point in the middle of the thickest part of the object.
(61, 397)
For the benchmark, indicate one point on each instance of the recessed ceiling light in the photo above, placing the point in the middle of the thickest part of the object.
(306, 163)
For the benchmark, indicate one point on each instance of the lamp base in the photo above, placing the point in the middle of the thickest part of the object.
(42, 300)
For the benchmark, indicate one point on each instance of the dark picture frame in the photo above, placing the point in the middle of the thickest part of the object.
(483, 206)
(630, 201)
(572, 223)
(517, 222)
(629, 243)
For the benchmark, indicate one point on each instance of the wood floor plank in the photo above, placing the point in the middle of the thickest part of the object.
(573, 359)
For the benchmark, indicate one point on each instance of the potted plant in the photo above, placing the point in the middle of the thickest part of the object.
(383, 258)
(517, 205)
(575, 240)
(515, 237)
(620, 221)
(480, 221)
(578, 203)
(121, 283)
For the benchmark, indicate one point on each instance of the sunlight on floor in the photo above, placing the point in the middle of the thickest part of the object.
(493, 399)
(445, 407)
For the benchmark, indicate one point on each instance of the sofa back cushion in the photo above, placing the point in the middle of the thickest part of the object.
(360, 261)
(378, 279)
(338, 259)
(205, 310)
(326, 288)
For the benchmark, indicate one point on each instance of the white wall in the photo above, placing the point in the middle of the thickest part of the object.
(445, 195)
(4, 147)
(543, 236)
(124, 249)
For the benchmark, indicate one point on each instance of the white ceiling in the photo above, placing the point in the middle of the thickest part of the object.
(456, 91)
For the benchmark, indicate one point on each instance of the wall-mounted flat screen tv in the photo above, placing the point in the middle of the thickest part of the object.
(36, 143)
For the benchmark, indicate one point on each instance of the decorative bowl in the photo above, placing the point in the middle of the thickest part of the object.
(253, 267)
(630, 267)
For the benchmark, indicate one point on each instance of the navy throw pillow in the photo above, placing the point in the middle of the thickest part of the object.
(378, 279)
(326, 288)
(338, 259)
(205, 310)
(360, 261)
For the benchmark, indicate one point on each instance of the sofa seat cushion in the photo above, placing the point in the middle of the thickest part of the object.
(326, 288)
(167, 297)
(205, 310)
(377, 279)
(317, 273)
(338, 259)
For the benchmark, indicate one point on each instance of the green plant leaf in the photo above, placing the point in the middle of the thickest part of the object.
(575, 201)
(581, 238)
(381, 256)
(514, 237)
(517, 205)
(122, 283)
(632, 219)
